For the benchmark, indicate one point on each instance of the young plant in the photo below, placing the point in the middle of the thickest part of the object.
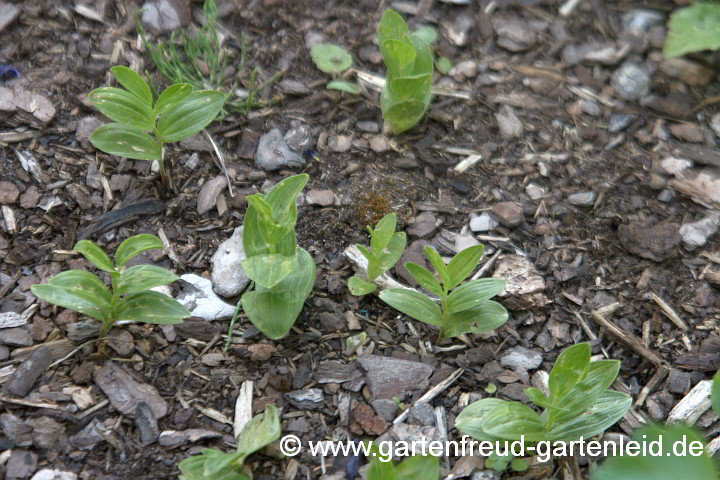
(130, 297)
(693, 28)
(579, 404)
(386, 248)
(283, 273)
(408, 83)
(418, 467)
(463, 308)
(213, 464)
(177, 114)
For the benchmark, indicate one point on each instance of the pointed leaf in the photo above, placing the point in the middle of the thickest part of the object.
(94, 255)
(470, 420)
(344, 86)
(380, 469)
(133, 83)
(123, 107)
(410, 87)
(511, 420)
(472, 294)
(144, 277)
(538, 397)
(75, 280)
(75, 299)
(135, 245)
(219, 463)
(260, 432)
(195, 112)
(463, 264)
(418, 467)
(601, 374)
(487, 316)
(268, 270)
(126, 141)
(427, 34)
(600, 416)
(274, 311)
(388, 257)
(382, 233)
(437, 261)
(404, 115)
(425, 278)
(413, 304)
(171, 96)
(570, 368)
(692, 29)
(360, 287)
(151, 307)
(283, 199)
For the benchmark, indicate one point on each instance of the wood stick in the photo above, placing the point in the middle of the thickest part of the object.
(628, 339)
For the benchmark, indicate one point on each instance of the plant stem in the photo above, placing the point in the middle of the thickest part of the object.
(238, 307)
(163, 173)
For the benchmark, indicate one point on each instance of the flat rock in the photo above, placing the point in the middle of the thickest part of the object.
(25, 376)
(21, 464)
(379, 144)
(198, 297)
(197, 143)
(228, 275)
(146, 424)
(386, 408)
(30, 197)
(654, 243)
(166, 15)
(525, 287)
(273, 153)
(510, 214)
(515, 34)
(47, 474)
(332, 371)
(392, 377)
(582, 199)
(696, 234)
(424, 226)
(308, 399)
(631, 81)
(521, 357)
(23, 107)
(340, 143)
(125, 394)
(47, 432)
(323, 198)
(261, 352)
(9, 193)
(483, 223)
(16, 430)
(12, 319)
(422, 414)
(121, 341)
(208, 193)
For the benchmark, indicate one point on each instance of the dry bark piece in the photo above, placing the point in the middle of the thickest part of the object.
(392, 377)
(172, 438)
(693, 405)
(656, 243)
(125, 393)
(29, 371)
(525, 286)
(23, 107)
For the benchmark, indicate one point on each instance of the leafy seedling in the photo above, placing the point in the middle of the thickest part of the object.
(693, 29)
(213, 464)
(418, 467)
(408, 83)
(443, 64)
(283, 273)
(579, 404)
(177, 114)
(386, 248)
(463, 308)
(334, 59)
(130, 297)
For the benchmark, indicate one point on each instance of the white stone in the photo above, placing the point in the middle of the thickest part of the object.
(696, 234)
(228, 275)
(483, 223)
(202, 301)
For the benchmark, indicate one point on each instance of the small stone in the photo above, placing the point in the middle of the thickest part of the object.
(666, 195)
(535, 192)
(293, 87)
(631, 82)
(674, 165)
(458, 31)
(464, 241)
(212, 359)
(521, 357)
(46, 432)
(21, 464)
(9, 193)
(379, 144)
(299, 137)
(198, 297)
(47, 474)
(483, 223)
(85, 127)
(525, 287)
(273, 153)
(16, 430)
(464, 70)
(146, 424)
(15, 337)
(391, 377)
(120, 183)
(424, 225)
(696, 234)
(655, 243)
(166, 15)
(121, 341)
(641, 19)
(679, 382)
(368, 422)
(340, 143)
(509, 214)
(308, 399)
(29, 198)
(386, 408)
(369, 126)
(690, 132)
(422, 414)
(192, 161)
(228, 276)
(582, 198)
(261, 352)
(208, 193)
(619, 122)
(509, 124)
(514, 34)
(324, 198)
(673, 105)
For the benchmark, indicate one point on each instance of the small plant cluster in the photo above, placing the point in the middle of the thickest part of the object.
(129, 298)
(579, 404)
(463, 308)
(418, 467)
(408, 83)
(213, 464)
(693, 28)
(178, 113)
(282, 272)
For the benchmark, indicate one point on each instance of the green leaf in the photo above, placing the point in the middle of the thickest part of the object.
(519, 465)
(427, 34)
(135, 245)
(273, 311)
(219, 462)
(123, 107)
(187, 117)
(418, 467)
(693, 29)
(261, 431)
(78, 299)
(538, 397)
(463, 264)
(410, 87)
(171, 96)
(388, 257)
(470, 420)
(570, 368)
(144, 277)
(399, 56)
(660, 462)
(512, 420)
(133, 83)
(601, 415)
(80, 280)
(425, 279)
(330, 58)
(600, 376)
(437, 261)
(94, 255)
(413, 304)
(269, 269)
(193, 468)
(473, 294)
(443, 65)
(151, 307)
(380, 469)
(360, 287)
(383, 233)
(126, 141)
(716, 393)
(344, 86)
(487, 316)
(283, 199)
(404, 115)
